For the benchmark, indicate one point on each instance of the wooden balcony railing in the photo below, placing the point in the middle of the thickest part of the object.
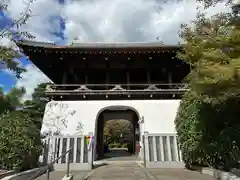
(115, 89)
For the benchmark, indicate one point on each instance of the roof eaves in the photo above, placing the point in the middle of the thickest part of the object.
(98, 45)
(121, 45)
(36, 43)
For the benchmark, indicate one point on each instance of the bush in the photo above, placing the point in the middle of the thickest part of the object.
(124, 145)
(115, 145)
(20, 143)
(111, 145)
(208, 134)
(118, 145)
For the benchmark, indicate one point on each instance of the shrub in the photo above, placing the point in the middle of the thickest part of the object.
(115, 145)
(20, 143)
(118, 145)
(208, 134)
(124, 145)
(111, 145)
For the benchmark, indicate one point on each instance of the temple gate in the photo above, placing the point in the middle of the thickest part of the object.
(141, 82)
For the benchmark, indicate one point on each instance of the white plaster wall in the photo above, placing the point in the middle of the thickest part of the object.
(158, 115)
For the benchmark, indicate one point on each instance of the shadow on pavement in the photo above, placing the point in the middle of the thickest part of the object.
(119, 154)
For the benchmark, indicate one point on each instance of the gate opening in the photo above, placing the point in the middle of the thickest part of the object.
(126, 136)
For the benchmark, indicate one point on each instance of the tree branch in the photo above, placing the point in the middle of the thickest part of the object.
(18, 23)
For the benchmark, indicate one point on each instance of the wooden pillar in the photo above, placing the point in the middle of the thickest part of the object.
(76, 79)
(86, 78)
(107, 73)
(86, 72)
(128, 79)
(64, 78)
(170, 79)
(148, 76)
(128, 72)
(102, 136)
(107, 79)
(149, 71)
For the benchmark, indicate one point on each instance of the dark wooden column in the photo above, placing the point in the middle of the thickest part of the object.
(128, 72)
(86, 70)
(64, 78)
(107, 73)
(149, 71)
(100, 137)
(170, 79)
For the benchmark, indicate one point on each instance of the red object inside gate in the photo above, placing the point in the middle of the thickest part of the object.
(137, 147)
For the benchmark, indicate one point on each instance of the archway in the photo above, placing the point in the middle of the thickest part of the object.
(115, 113)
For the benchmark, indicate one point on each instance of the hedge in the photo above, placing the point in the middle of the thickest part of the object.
(209, 134)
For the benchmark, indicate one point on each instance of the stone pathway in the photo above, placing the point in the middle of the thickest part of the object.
(79, 175)
(55, 175)
(178, 174)
(126, 170)
(58, 175)
(121, 170)
(119, 154)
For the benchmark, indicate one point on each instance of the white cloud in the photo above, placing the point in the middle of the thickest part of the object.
(31, 79)
(41, 24)
(104, 21)
(109, 20)
(4, 41)
(128, 20)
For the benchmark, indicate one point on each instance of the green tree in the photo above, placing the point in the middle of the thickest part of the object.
(209, 3)
(116, 130)
(10, 31)
(20, 142)
(212, 51)
(36, 106)
(24, 118)
(207, 123)
(11, 100)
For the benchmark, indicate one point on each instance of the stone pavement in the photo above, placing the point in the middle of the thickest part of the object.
(119, 170)
(178, 174)
(129, 170)
(80, 175)
(119, 154)
(55, 175)
(58, 175)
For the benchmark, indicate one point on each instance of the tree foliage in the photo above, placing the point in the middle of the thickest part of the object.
(213, 53)
(36, 106)
(208, 135)
(20, 142)
(207, 121)
(20, 125)
(11, 32)
(117, 131)
(12, 100)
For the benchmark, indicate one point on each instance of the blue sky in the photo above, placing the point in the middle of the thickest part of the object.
(8, 80)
